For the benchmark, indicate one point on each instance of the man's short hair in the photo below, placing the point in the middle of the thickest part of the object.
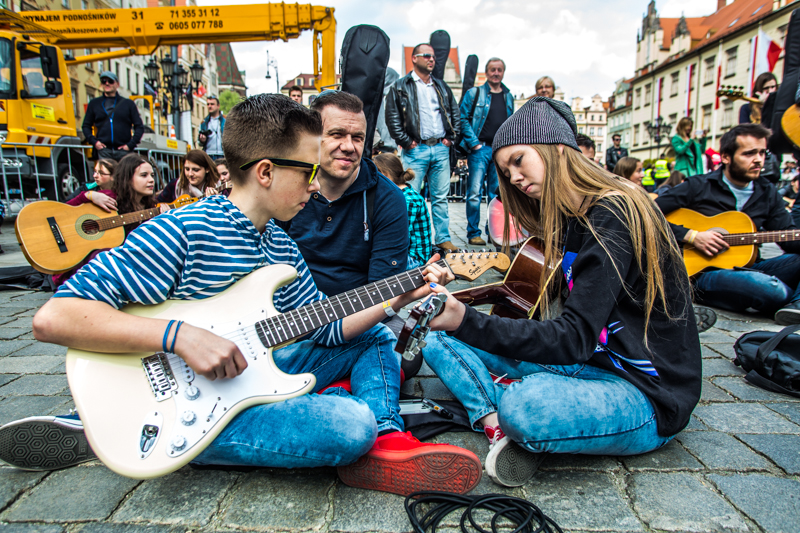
(338, 99)
(584, 140)
(486, 69)
(212, 97)
(295, 88)
(416, 49)
(616, 136)
(265, 125)
(729, 143)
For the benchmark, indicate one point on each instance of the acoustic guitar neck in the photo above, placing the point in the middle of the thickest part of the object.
(742, 239)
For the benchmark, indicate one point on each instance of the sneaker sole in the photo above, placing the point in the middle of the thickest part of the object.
(457, 471)
(43, 443)
(512, 465)
(787, 317)
(708, 317)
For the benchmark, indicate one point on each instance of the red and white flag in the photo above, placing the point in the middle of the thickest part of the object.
(765, 54)
(689, 73)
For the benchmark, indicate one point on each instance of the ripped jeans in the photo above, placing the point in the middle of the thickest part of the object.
(766, 286)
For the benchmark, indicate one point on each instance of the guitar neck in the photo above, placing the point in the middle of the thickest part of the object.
(298, 322)
(127, 219)
(742, 239)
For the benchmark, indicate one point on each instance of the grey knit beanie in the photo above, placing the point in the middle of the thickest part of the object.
(540, 121)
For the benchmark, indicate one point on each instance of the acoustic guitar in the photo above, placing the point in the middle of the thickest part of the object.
(56, 237)
(737, 230)
(148, 414)
(790, 124)
(737, 93)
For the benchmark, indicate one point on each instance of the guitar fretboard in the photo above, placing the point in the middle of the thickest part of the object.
(298, 322)
(128, 218)
(740, 239)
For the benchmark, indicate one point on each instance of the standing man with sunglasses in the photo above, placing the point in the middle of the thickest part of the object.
(424, 119)
(112, 116)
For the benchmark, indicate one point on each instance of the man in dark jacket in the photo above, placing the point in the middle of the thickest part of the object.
(769, 286)
(112, 116)
(345, 241)
(423, 118)
(615, 153)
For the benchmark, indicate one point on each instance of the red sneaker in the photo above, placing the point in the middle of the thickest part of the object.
(401, 464)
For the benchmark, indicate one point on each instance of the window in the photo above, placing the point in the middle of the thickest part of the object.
(673, 119)
(116, 69)
(32, 76)
(75, 100)
(638, 98)
(136, 88)
(311, 82)
(580, 129)
(592, 119)
(128, 78)
(636, 135)
(65, 4)
(673, 90)
(600, 147)
(727, 114)
(90, 93)
(84, 4)
(647, 94)
(591, 132)
(706, 124)
(599, 132)
(299, 82)
(730, 62)
(708, 79)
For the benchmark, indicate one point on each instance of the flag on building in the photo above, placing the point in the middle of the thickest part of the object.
(765, 53)
(689, 73)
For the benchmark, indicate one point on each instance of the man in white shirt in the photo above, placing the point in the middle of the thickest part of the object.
(423, 117)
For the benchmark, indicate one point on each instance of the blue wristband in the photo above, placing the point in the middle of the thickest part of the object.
(166, 335)
(175, 337)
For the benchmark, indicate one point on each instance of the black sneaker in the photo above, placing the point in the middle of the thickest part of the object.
(705, 318)
(45, 443)
(788, 315)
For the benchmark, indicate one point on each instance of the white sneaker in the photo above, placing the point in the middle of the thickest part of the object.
(45, 443)
(508, 464)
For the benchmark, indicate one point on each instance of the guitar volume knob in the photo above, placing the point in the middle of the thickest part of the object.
(178, 443)
(188, 418)
(191, 392)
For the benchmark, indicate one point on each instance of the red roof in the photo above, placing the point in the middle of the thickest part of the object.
(409, 66)
(308, 81)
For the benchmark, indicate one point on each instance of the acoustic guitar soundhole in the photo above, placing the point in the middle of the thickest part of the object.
(90, 227)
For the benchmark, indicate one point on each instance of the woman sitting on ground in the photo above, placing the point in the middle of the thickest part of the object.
(198, 174)
(100, 192)
(630, 169)
(134, 180)
(618, 371)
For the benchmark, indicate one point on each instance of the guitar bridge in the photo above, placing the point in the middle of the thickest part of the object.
(62, 246)
(159, 375)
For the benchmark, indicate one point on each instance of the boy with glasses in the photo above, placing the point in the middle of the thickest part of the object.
(113, 116)
(201, 250)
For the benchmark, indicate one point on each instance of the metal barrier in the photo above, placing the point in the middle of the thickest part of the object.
(49, 176)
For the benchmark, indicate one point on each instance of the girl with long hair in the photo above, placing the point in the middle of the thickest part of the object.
(612, 365)
(766, 83)
(132, 190)
(631, 169)
(675, 178)
(688, 148)
(198, 174)
(99, 192)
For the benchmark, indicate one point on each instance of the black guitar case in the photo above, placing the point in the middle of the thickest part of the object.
(365, 55)
(440, 41)
(776, 106)
(470, 73)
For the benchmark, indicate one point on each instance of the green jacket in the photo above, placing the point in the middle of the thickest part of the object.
(689, 155)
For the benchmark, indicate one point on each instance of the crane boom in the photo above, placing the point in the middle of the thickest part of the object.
(144, 30)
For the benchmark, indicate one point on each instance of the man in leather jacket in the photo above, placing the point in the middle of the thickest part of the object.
(424, 119)
(615, 153)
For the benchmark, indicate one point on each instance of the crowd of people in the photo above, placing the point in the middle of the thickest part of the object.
(611, 364)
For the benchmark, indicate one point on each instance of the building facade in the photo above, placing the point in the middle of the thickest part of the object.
(307, 83)
(620, 113)
(682, 62)
(591, 120)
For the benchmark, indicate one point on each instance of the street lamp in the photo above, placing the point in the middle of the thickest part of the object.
(197, 72)
(151, 71)
(176, 80)
(658, 130)
(273, 63)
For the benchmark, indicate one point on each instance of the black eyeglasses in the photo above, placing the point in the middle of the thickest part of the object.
(426, 56)
(285, 163)
(107, 81)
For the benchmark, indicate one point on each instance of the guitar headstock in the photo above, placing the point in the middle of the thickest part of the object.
(731, 91)
(470, 264)
(182, 201)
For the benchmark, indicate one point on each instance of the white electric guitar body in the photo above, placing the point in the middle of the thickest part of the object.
(146, 415)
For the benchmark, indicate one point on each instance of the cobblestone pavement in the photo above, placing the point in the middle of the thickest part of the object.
(735, 468)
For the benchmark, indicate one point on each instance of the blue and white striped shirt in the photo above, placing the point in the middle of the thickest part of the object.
(194, 253)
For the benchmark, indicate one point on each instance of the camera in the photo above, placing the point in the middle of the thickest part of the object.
(207, 133)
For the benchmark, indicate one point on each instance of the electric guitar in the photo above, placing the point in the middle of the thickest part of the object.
(737, 230)
(56, 237)
(147, 414)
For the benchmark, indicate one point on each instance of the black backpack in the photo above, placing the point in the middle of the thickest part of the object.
(771, 360)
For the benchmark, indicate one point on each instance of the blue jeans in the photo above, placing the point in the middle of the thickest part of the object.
(766, 286)
(480, 166)
(562, 409)
(329, 429)
(433, 163)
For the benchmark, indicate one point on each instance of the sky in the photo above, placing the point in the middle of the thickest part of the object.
(584, 45)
